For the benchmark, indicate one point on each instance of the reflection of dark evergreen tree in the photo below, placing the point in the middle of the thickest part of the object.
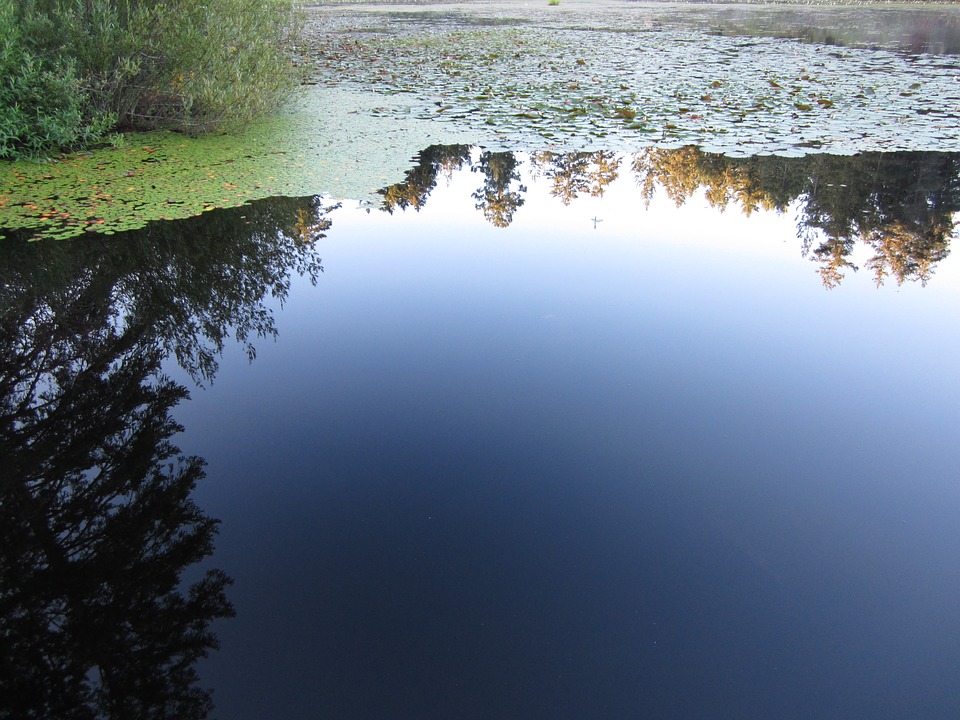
(96, 521)
(96, 527)
(497, 201)
(422, 179)
(575, 174)
(901, 205)
(572, 174)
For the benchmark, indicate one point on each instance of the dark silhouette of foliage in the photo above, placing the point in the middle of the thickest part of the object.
(192, 284)
(96, 521)
(422, 179)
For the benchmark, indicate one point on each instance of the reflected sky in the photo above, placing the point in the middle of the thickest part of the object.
(613, 459)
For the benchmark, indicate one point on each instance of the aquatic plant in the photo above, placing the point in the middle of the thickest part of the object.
(590, 79)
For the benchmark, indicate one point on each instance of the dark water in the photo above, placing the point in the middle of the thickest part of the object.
(551, 446)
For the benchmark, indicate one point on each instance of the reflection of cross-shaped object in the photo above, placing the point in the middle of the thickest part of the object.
(595, 221)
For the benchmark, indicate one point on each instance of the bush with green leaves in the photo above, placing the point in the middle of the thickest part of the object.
(42, 102)
(73, 70)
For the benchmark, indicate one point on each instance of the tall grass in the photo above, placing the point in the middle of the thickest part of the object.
(74, 70)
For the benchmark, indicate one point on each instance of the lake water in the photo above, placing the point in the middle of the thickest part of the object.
(539, 436)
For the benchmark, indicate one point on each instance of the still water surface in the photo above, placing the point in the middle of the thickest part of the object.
(527, 452)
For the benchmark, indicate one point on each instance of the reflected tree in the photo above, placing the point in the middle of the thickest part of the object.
(909, 253)
(833, 259)
(771, 184)
(422, 179)
(570, 174)
(190, 285)
(604, 169)
(900, 205)
(496, 199)
(577, 173)
(97, 526)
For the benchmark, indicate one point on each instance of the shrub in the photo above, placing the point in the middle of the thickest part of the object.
(42, 102)
(74, 69)
(231, 65)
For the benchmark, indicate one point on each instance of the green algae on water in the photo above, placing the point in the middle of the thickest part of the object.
(332, 142)
(158, 176)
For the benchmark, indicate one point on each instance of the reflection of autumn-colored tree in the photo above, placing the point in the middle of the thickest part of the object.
(769, 185)
(497, 201)
(566, 171)
(308, 226)
(604, 169)
(578, 173)
(571, 175)
(901, 205)
(905, 254)
(833, 256)
(422, 179)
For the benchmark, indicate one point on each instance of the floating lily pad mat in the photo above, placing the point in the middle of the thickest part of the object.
(627, 75)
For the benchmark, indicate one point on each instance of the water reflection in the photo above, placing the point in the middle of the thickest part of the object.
(575, 174)
(97, 525)
(899, 206)
(912, 29)
(502, 193)
(420, 180)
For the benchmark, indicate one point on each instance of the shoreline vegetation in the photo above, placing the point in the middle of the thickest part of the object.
(77, 72)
